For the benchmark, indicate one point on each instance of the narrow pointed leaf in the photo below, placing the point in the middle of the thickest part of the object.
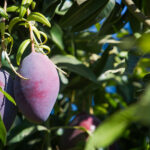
(85, 10)
(13, 8)
(46, 48)
(36, 16)
(2, 132)
(13, 22)
(3, 13)
(57, 36)
(21, 49)
(11, 99)
(24, 5)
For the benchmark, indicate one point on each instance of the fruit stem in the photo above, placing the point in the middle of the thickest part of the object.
(70, 127)
(31, 32)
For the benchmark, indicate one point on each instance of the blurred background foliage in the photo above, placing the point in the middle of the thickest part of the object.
(104, 48)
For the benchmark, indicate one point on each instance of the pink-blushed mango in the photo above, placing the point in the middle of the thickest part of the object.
(75, 139)
(36, 96)
(72, 137)
(7, 109)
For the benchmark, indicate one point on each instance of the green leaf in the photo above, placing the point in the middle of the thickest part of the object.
(36, 16)
(21, 49)
(8, 96)
(25, 130)
(13, 8)
(46, 48)
(85, 10)
(114, 126)
(143, 43)
(24, 5)
(2, 132)
(13, 135)
(13, 22)
(57, 36)
(107, 10)
(72, 64)
(112, 20)
(102, 12)
(44, 36)
(143, 111)
(3, 13)
(33, 4)
(80, 1)
(111, 129)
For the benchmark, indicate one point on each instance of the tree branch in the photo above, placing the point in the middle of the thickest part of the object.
(136, 12)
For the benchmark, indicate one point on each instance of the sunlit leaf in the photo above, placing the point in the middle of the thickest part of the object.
(57, 36)
(2, 132)
(13, 22)
(144, 43)
(46, 48)
(80, 1)
(24, 5)
(8, 96)
(33, 4)
(21, 50)
(36, 16)
(24, 132)
(13, 8)
(3, 13)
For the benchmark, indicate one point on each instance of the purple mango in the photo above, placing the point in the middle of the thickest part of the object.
(7, 108)
(36, 96)
(73, 137)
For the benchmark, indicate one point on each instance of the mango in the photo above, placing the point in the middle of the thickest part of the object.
(74, 137)
(37, 95)
(7, 108)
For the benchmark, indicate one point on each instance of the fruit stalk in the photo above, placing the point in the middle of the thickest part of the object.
(31, 33)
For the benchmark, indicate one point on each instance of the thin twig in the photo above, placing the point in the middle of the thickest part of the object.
(137, 12)
(61, 70)
(12, 67)
(66, 127)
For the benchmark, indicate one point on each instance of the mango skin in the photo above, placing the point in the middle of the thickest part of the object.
(72, 137)
(7, 109)
(36, 96)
